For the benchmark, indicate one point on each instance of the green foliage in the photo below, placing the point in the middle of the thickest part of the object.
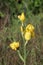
(2, 14)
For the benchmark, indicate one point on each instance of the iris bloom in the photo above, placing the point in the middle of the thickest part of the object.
(22, 17)
(29, 32)
(14, 45)
(30, 28)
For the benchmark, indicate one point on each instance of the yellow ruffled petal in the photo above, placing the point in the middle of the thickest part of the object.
(14, 45)
(17, 44)
(22, 17)
(27, 36)
(19, 16)
(30, 28)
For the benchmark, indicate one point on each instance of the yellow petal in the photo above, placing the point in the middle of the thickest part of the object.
(15, 49)
(27, 36)
(22, 17)
(14, 45)
(17, 44)
(19, 16)
(30, 28)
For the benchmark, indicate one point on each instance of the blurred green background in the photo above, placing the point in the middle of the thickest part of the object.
(10, 31)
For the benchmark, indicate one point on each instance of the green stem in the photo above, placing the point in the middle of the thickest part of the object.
(26, 43)
(25, 53)
(20, 55)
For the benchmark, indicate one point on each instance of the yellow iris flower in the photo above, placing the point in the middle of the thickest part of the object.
(27, 36)
(29, 32)
(22, 17)
(14, 45)
(30, 28)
